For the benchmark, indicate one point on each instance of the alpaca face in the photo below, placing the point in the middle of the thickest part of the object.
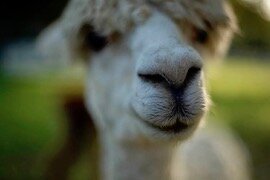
(149, 83)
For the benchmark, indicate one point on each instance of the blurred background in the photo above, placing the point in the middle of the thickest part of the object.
(33, 122)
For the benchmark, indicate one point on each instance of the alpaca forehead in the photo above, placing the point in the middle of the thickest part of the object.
(118, 15)
(121, 17)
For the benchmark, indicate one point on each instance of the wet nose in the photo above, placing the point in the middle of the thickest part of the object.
(174, 67)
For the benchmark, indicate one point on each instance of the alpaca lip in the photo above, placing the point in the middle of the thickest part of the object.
(175, 128)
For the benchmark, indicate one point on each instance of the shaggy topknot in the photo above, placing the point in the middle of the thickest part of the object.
(108, 17)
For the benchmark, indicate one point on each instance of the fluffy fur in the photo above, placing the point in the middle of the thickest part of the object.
(109, 17)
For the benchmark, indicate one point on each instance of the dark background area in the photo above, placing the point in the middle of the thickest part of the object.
(25, 19)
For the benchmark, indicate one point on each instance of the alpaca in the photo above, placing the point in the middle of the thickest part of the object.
(145, 86)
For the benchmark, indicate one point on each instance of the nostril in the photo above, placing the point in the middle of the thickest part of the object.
(192, 72)
(162, 79)
(152, 78)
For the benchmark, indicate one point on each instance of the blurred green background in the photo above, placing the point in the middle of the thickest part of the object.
(32, 123)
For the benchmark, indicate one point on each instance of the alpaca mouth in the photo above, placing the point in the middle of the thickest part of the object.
(175, 128)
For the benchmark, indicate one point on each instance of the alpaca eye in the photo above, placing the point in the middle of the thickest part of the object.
(94, 41)
(91, 39)
(201, 36)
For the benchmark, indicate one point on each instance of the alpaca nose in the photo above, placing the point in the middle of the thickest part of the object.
(162, 78)
(175, 68)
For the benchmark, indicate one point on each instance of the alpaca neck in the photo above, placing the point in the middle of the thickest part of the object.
(135, 161)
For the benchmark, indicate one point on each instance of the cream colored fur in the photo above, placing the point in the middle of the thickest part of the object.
(156, 37)
(120, 16)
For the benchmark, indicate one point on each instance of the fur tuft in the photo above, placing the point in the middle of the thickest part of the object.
(108, 17)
